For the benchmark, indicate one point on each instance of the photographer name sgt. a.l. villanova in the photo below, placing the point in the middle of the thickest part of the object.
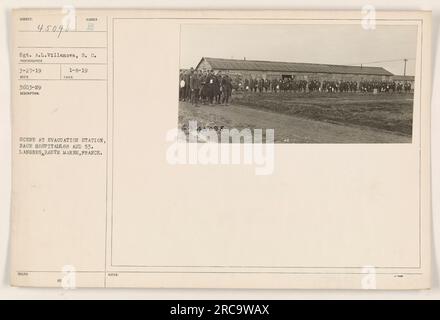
(220, 309)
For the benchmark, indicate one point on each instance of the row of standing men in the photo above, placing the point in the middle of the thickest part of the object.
(197, 86)
(295, 85)
(205, 87)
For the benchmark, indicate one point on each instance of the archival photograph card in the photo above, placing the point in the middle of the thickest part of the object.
(221, 149)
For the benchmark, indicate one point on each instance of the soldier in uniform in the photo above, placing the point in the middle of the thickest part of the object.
(195, 84)
(246, 84)
(226, 88)
(275, 85)
(266, 85)
(210, 86)
(217, 87)
(181, 86)
(203, 87)
(187, 86)
(260, 85)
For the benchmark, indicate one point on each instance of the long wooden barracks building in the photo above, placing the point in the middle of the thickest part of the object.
(247, 69)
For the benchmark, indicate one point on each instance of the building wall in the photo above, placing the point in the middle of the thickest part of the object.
(246, 74)
(204, 66)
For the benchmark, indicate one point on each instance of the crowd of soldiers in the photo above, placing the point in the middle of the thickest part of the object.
(385, 86)
(274, 85)
(209, 87)
(205, 87)
(295, 85)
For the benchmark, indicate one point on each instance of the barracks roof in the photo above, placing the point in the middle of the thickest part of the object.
(256, 65)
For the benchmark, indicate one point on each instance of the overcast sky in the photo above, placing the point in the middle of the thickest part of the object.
(330, 44)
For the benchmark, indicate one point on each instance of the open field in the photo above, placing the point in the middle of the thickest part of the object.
(386, 111)
(311, 117)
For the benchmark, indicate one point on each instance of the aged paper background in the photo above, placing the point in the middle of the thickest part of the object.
(379, 187)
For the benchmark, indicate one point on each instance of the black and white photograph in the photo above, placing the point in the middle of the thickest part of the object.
(336, 83)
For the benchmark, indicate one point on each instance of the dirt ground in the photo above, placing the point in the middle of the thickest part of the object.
(308, 118)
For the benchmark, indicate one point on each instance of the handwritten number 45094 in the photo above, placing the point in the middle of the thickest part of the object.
(52, 28)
